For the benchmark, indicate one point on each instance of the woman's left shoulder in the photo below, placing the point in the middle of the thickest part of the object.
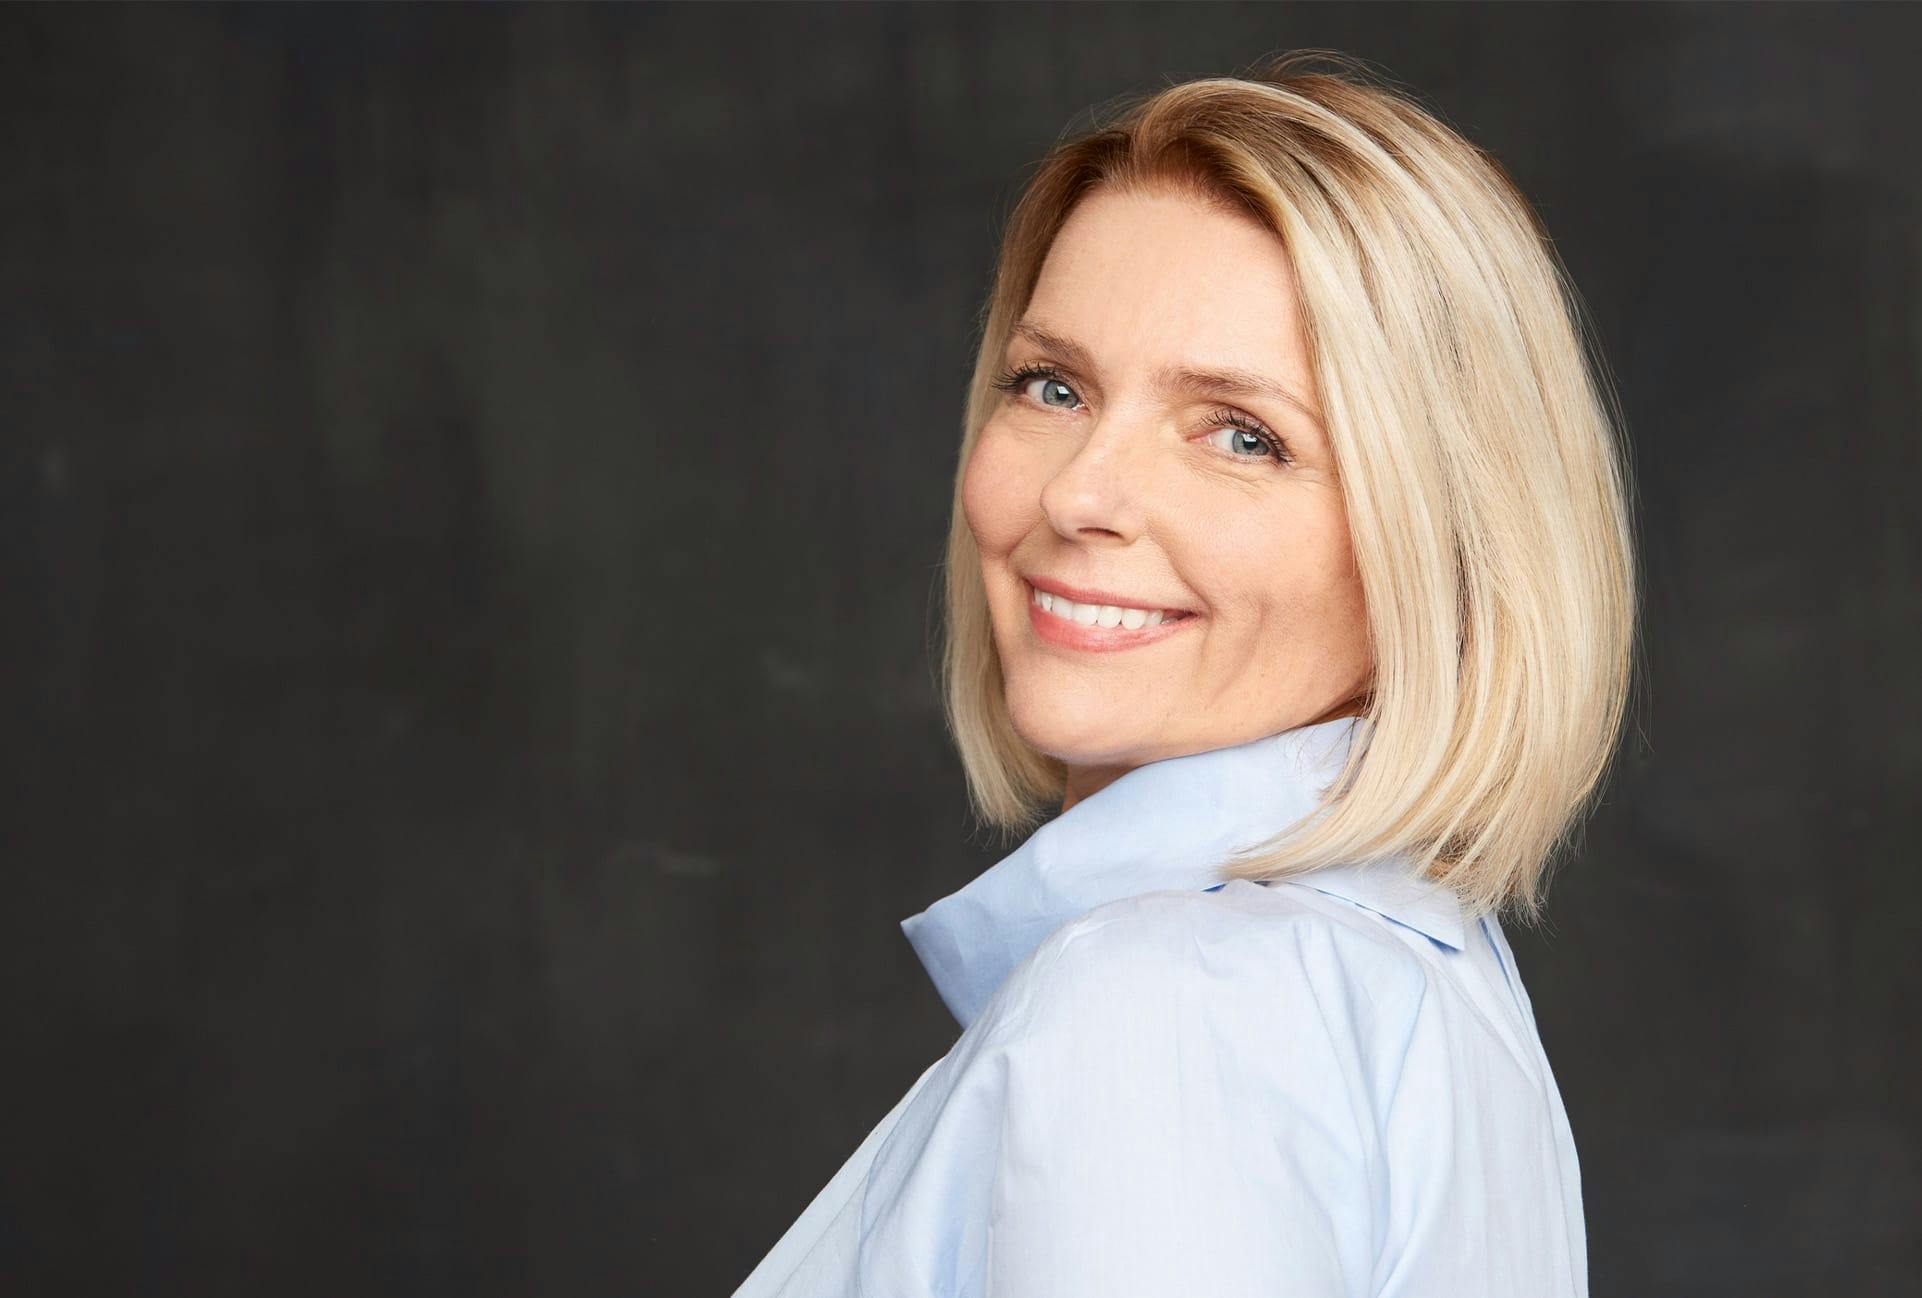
(1243, 933)
(1275, 968)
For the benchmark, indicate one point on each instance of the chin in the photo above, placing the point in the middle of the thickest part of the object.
(1082, 731)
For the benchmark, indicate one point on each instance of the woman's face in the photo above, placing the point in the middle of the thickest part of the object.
(1115, 472)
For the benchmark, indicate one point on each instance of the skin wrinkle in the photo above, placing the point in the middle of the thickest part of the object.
(1136, 488)
(1229, 383)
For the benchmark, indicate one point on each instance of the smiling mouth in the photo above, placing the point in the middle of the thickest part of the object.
(1102, 615)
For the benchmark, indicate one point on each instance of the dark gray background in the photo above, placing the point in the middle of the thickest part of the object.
(472, 487)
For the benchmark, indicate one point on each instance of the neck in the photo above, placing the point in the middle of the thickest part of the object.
(1086, 781)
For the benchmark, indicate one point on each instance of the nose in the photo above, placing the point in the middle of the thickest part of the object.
(1100, 493)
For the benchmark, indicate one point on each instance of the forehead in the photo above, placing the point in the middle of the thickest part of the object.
(1161, 278)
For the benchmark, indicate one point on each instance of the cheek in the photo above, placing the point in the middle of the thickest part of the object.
(998, 498)
(1338, 594)
(1312, 594)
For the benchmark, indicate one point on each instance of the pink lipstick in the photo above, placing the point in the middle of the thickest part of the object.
(1072, 617)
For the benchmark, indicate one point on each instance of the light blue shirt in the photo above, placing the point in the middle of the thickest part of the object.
(1168, 1086)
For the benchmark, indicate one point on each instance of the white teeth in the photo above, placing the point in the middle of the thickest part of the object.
(1099, 614)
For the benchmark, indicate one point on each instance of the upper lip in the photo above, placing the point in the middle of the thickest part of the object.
(1089, 595)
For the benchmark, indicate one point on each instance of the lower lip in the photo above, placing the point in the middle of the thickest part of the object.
(1070, 634)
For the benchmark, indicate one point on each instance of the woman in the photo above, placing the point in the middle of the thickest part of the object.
(1291, 554)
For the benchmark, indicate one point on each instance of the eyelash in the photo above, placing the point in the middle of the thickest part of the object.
(1012, 381)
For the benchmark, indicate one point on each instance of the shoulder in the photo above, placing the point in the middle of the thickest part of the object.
(1279, 979)
(1245, 933)
(1161, 1069)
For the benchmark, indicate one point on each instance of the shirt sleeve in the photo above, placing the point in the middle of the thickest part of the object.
(1166, 1098)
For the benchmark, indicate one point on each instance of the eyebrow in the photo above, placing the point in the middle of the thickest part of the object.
(1225, 382)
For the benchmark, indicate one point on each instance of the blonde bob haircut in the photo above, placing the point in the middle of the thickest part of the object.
(1486, 487)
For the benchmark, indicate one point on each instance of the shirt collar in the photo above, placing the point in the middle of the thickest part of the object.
(1166, 825)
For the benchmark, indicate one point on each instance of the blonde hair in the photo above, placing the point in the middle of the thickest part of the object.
(1486, 489)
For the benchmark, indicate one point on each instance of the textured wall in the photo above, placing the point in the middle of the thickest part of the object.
(471, 490)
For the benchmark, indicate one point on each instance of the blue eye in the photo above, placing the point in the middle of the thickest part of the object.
(1060, 387)
(1019, 378)
(1251, 439)
(1247, 439)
